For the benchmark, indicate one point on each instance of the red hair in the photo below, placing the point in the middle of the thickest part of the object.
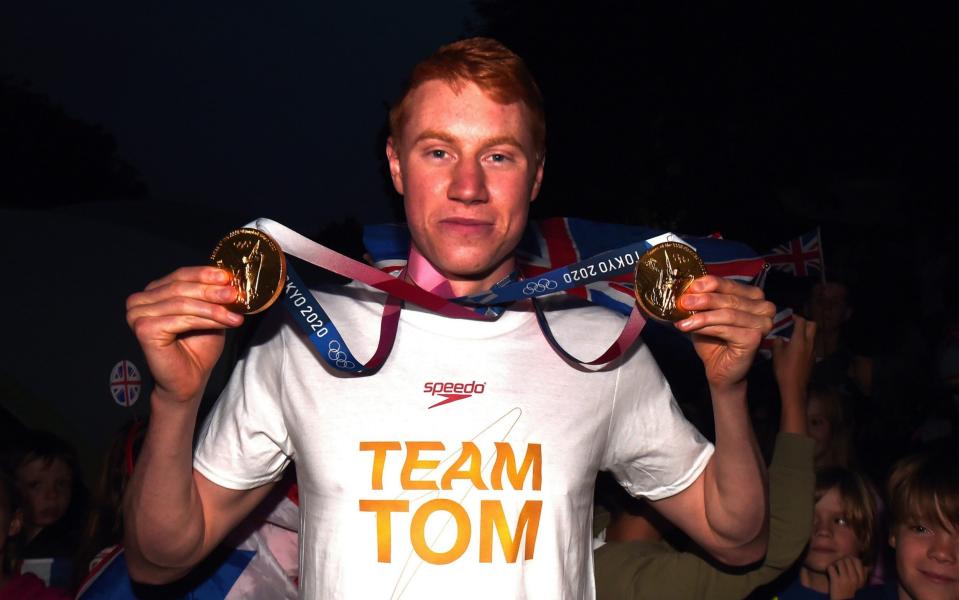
(493, 67)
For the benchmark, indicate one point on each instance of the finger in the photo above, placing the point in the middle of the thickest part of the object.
(207, 292)
(726, 318)
(858, 570)
(712, 283)
(715, 300)
(779, 348)
(166, 328)
(199, 274)
(810, 332)
(186, 307)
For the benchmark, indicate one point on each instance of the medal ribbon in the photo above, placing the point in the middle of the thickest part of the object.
(433, 292)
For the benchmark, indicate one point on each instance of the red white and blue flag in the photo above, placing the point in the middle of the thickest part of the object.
(262, 562)
(125, 383)
(552, 243)
(801, 256)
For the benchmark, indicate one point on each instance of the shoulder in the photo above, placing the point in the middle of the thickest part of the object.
(28, 585)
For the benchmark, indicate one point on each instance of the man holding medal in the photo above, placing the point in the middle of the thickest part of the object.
(404, 494)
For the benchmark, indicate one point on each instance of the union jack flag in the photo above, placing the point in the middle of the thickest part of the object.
(782, 328)
(258, 560)
(552, 243)
(801, 256)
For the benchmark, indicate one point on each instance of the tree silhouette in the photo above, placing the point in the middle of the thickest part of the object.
(48, 158)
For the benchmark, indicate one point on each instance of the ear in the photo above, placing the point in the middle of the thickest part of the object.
(15, 523)
(538, 179)
(396, 172)
(892, 541)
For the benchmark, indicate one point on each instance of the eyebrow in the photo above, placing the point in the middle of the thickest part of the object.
(432, 134)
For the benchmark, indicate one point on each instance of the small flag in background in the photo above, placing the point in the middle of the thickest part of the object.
(801, 256)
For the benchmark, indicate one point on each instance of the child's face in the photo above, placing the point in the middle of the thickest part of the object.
(818, 425)
(927, 560)
(46, 488)
(832, 535)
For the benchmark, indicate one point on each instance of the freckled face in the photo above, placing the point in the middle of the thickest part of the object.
(46, 489)
(467, 168)
(832, 535)
(927, 560)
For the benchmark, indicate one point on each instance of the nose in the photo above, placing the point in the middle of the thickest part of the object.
(50, 493)
(468, 183)
(820, 527)
(944, 548)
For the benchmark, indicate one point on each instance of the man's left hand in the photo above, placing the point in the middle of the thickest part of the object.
(729, 322)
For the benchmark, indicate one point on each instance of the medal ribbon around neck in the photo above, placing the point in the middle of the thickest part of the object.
(433, 292)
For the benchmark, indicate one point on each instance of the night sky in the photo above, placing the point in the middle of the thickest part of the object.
(274, 109)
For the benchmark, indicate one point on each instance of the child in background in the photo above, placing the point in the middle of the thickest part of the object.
(47, 478)
(924, 502)
(842, 547)
(828, 424)
(15, 586)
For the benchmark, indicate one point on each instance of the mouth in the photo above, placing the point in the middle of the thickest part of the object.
(465, 226)
(937, 578)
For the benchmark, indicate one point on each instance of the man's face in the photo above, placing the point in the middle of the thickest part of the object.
(468, 170)
(927, 560)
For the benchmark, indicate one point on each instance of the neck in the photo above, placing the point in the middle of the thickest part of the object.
(425, 274)
(813, 580)
(468, 286)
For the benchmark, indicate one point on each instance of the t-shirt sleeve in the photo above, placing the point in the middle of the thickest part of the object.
(652, 450)
(244, 442)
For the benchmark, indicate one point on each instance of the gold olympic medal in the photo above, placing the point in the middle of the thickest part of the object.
(258, 267)
(662, 275)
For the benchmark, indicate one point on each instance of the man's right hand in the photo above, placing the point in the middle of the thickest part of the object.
(179, 321)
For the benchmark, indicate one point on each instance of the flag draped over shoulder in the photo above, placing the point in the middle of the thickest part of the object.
(552, 243)
(259, 561)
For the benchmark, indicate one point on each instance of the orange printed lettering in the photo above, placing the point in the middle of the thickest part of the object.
(418, 531)
(413, 462)
(379, 450)
(491, 513)
(504, 458)
(384, 527)
(471, 454)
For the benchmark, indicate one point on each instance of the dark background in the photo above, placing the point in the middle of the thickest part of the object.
(132, 136)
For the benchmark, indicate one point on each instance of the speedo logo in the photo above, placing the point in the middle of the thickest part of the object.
(452, 391)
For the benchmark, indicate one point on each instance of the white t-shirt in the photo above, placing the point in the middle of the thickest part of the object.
(463, 468)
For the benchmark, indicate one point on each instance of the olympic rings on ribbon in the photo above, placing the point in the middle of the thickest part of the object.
(539, 286)
(340, 357)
